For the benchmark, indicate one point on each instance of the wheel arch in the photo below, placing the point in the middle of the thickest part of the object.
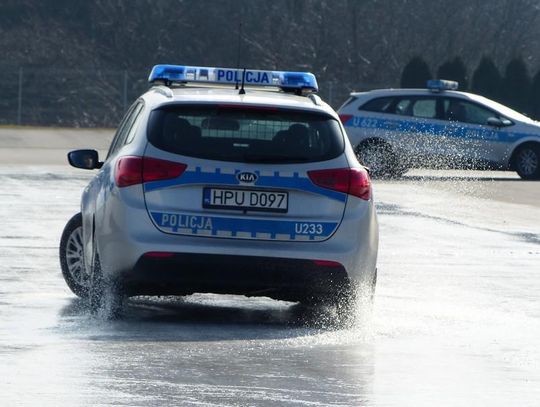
(395, 164)
(374, 141)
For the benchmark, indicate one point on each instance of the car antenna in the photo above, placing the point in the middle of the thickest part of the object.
(242, 90)
(239, 54)
(239, 50)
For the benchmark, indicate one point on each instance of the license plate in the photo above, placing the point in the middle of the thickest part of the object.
(245, 199)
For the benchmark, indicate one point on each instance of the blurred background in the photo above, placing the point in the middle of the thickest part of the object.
(79, 63)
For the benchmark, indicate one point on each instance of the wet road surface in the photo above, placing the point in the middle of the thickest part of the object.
(456, 320)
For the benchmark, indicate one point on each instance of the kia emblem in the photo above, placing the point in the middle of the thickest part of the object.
(246, 177)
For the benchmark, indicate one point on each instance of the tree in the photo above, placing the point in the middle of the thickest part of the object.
(486, 79)
(535, 97)
(516, 89)
(454, 70)
(415, 74)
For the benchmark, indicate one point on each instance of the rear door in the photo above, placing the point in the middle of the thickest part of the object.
(421, 129)
(244, 172)
(412, 124)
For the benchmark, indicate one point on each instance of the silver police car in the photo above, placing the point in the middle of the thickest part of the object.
(224, 181)
(395, 129)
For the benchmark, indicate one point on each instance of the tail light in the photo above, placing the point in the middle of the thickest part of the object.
(128, 171)
(159, 255)
(345, 118)
(132, 170)
(326, 263)
(157, 170)
(352, 181)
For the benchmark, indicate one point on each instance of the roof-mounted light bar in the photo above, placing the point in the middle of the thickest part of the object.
(438, 85)
(287, 81)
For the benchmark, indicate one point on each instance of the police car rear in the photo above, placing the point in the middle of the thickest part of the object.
(248, 191)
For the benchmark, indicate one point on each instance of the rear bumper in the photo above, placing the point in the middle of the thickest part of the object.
(124, 234)
(280, 278)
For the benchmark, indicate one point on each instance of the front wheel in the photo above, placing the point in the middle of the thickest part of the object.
(527, 161)
(71, 257)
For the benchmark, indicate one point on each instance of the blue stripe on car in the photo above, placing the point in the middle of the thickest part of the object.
(186, 224)
(218, 178)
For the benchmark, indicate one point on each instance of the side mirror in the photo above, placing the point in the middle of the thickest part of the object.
(496, 122)
(85, 159)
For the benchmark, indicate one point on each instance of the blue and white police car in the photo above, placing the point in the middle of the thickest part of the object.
(395, 129)
(224, 181)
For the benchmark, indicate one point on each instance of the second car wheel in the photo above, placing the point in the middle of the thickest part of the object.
(527, 161)
(379, 158)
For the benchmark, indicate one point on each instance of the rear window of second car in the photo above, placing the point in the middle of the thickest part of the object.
(379, 105)
(245, 134)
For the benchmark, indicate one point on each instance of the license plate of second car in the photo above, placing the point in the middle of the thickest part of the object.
(245, 199)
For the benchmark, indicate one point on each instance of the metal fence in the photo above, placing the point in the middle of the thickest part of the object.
(85, 97)
(61, 97)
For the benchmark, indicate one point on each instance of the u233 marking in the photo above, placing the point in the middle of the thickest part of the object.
(308, 228)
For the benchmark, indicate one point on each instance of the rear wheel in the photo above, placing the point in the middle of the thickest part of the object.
(336, 308)
(105, 297)
(373, 286)
(379, 158)
(71, 257)
(527, 161)
(354, 304)
(344, 304)
(330, 310)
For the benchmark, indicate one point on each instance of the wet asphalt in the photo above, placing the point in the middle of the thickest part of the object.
(455, 322)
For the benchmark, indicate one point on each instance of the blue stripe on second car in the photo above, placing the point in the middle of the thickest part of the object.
(451, 129)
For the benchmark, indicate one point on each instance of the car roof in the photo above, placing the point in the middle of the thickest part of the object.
(160, 95)
(426, 92)
(410, 91)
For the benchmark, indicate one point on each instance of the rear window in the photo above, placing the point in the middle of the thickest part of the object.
(245, 134)
(347, 102)
(379, 105)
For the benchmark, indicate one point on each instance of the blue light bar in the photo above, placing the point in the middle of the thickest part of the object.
(196, 74)
(441, 84)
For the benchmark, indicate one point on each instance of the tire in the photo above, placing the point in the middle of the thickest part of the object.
(342, 308)
(105, 298)
(329, 310)
(96, 289)
(526, 161)
(354, 304)
(380, 159)
(373, 286)
(345, 307)
(338, 307)
(71, 257)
